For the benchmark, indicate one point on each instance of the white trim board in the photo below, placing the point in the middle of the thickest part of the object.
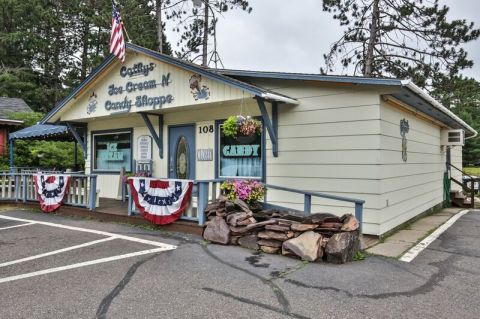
(418, 248)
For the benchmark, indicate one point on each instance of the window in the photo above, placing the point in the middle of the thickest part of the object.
(112, 151)
(241, 157)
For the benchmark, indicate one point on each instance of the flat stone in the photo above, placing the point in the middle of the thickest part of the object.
(270, 243)
(341, 247)
(277, 228)
(305, 246)
(268, 234)
(244, 229)
(320, 218)
(234, 218)
(303, 227)
(249, 241)
(269, 250)
(248, 221)
(242, 205)
(217, 231)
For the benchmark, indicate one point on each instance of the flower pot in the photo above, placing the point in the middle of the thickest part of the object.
(246, 139)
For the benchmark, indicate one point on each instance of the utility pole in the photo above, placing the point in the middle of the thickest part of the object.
(158, 4)
(205, 35)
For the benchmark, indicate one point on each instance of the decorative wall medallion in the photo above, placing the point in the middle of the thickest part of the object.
(404, 128)
(92, 104)
(199, 92)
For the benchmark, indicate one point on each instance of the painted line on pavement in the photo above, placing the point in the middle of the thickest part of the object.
(92, 231)
(15, 226)
(83, 264)
(417, 249)
(90, 243)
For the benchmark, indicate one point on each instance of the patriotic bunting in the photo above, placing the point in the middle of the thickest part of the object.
(51, 190)
(161, 202)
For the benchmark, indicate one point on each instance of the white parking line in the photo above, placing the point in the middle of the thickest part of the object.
(98, 232)
(15, 226)
(13, 262)
(417, 249)
(82, 264)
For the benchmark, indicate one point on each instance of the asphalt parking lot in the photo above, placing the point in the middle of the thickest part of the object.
(57, 267)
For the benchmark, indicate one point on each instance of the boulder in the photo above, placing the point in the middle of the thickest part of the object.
(217, 231)
(303, 227)
(269, 250)
(269, 234)
(341, 247)
(350, 223)
(249, 241)
(270, 243)
(305, 246)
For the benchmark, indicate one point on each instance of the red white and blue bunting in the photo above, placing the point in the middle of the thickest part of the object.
(160, 201)
(51, 190)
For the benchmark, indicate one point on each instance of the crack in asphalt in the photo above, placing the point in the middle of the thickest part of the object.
(107, 300)
(443, 268)
(255, 303)
(282, 300)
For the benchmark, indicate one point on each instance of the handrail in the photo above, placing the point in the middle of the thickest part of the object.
(470, 189)
(307, 201)
(449, 164)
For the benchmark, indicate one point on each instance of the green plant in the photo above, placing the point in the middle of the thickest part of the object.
(359, 255)
(230, 127)
(249, 191)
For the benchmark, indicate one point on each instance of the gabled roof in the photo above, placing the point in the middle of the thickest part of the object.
(205, 72)
(12, 104)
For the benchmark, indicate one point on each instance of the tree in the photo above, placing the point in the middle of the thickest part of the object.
(462, 96)
(196, 22)
(407, 39)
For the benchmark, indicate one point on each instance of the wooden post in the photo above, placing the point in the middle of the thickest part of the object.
(202, 202)
(307, 204)
(359, 215)
(472, 192)
(93, 192)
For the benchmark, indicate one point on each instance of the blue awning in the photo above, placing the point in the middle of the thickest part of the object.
(43, 132)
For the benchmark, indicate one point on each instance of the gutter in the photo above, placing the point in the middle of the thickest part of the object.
(413, 87)
(279, 98)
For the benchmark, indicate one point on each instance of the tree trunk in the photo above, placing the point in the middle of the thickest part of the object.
(205, 35)
(159, 25)
(372, 41)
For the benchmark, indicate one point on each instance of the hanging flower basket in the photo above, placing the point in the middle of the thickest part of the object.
(244, 129)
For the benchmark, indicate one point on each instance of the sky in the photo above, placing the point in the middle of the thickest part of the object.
(292, 36)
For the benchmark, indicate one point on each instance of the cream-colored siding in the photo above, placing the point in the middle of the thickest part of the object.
(457, 160)
(411, 187)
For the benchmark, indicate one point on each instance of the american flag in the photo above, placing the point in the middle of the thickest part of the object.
(117, 43)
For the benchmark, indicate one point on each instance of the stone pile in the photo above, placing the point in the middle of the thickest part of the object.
(314, 237)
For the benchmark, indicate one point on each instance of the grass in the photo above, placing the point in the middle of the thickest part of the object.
(472, 170)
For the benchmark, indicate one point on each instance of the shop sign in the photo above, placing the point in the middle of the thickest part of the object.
(241, 150)
(141, 100)
(144, 148)
(113, 154)
(205, 154)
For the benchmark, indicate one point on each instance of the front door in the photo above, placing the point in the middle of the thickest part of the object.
(181, 152)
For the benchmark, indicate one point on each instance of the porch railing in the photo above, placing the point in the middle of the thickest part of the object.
(206, 190)
(20, 187)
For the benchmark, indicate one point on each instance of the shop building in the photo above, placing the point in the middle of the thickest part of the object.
(379, 140)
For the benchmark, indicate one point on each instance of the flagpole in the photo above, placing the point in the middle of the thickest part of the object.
(126, 33)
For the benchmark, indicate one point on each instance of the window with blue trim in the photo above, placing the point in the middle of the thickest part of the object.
(112, 151)
(240, 157)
